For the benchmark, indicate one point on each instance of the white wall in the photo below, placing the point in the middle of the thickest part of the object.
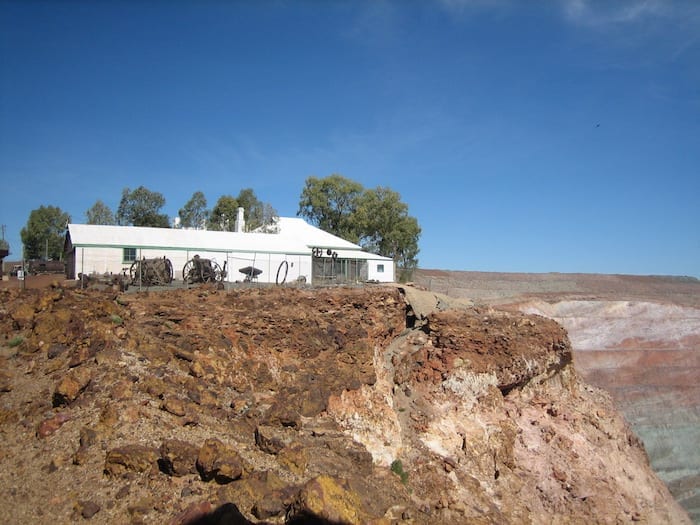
(297, 265)
(374, 273)
(99, 260)
(110, 260)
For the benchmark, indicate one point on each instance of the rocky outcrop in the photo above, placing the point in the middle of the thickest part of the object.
(343, 405)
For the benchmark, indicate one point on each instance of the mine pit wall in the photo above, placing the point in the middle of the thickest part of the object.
(644, 350)
(647, 355)
(472, 367)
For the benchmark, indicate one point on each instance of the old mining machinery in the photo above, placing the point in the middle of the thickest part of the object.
(199, 270)
(151, 272)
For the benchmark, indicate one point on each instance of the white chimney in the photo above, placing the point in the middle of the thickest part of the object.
(239, 225)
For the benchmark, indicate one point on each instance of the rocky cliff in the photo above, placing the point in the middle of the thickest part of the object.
(373, 405)
(637, 337)
(646, 355)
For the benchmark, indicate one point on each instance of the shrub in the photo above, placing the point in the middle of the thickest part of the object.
(117, 320)
(16, 341)
(397, 468)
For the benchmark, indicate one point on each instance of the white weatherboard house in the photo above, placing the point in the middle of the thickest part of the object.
(297, 250)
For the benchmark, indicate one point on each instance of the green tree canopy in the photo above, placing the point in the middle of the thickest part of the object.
(44, 234)
(252, 208)
(256, 213)
(330, 203)
(141, 207)
(223, 214)
(194, 214)
(376, 219)
(387, 228)
(100, 213)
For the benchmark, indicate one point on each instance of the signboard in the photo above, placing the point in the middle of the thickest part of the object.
(20, 275)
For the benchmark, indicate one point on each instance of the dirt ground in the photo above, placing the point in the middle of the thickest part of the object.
(35, 281)
(494, 287)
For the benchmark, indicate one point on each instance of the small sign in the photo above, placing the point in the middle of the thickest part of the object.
(20, 275)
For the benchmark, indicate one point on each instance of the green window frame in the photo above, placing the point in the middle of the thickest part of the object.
(129, 255)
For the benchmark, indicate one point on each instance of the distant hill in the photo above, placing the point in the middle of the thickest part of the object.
(495, 287)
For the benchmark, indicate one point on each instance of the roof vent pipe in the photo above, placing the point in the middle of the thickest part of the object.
(239, 225)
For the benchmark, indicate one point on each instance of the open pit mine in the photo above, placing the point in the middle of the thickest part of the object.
(637, 337)
(367, 405)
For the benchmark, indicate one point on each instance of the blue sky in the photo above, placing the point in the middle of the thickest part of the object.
(558, 136)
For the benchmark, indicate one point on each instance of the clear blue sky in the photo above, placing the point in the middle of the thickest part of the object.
(557, 136)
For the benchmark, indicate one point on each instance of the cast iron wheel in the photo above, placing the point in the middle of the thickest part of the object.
(284, 264)
(134, 271)
(217, 275)
(189, 272)
(168, 271)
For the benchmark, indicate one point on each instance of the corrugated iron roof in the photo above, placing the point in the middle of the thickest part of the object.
(311, 236)
(295, 236)
(205, 240)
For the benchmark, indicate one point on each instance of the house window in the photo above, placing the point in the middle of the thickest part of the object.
(380, 268)
(129, 255)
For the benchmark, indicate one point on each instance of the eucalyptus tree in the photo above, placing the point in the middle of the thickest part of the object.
(141, 207)
(44, 234)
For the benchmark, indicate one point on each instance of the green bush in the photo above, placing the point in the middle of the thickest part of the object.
(117, 320)
(16, 341)
(397, 468)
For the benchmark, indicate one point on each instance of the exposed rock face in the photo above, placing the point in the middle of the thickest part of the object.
(647, 355)
(286, 405)
(637, 337)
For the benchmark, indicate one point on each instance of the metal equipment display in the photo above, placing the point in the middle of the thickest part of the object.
(151, 272)
(199, 270)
